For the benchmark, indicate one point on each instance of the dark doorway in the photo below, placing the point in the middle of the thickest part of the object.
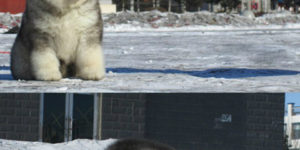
(67, 117)
(197, 121)
(54, 118)
(83, 114)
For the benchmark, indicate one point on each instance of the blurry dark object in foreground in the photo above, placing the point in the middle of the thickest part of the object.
(13, 30)
(138, 144)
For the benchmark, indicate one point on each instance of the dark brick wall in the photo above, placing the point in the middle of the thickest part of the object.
(185, 121)
(123, 115)
(265, 113)
(194, 121)
(19, 116)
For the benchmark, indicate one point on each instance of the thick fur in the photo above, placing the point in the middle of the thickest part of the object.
(57, 39)
(138, 144)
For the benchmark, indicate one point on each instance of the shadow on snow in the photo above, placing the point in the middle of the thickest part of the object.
(5, 76)
(227, 73)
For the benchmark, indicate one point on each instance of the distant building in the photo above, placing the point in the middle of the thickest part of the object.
(12, 6)
(184, 121)
(256, 5)
(18, 6)
(292, 125)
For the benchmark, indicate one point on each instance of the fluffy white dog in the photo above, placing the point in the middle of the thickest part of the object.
(59, 38)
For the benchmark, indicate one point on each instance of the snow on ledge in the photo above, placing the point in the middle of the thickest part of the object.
(80, 144)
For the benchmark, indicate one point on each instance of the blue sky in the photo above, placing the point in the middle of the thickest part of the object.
(292, 98)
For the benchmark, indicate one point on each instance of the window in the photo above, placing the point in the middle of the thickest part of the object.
(65, 117)
(296, 130)
(284, 129)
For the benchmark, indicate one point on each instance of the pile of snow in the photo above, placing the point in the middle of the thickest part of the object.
(249, 14)
(8, 21)
(81, 144)
(156, 19)
(281, 18)
(132, 21)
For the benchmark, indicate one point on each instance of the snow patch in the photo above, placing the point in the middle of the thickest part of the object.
(80, 144)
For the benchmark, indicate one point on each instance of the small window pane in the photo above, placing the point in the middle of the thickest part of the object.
(296, 131)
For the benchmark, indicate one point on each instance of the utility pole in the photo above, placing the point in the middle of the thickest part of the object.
(183, 9)
(265, 6)
(123, 5)
(138, 6)
(170, 6)
(131, 5)
(157, 3)
(153, 3)
(211, 7)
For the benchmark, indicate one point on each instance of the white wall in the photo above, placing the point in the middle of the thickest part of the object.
(107, 6)
(289, 120)
(105, 1)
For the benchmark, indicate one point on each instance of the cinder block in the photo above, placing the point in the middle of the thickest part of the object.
(12, 136)
(126, 118)
(109, 134)
(7, 111)
(14, 120)
(34, 128)
(3, 120)
(22, 129)
(31, 120)
(22, 112)
(7, 128)
(2, 135)
(31, 137)
(22, 96)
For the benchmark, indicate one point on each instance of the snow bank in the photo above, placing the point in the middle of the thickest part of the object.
(159, 21)
(81, 144)
(8, 21)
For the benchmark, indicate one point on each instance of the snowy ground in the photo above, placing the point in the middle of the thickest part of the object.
(198, 61)
(81, 144)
